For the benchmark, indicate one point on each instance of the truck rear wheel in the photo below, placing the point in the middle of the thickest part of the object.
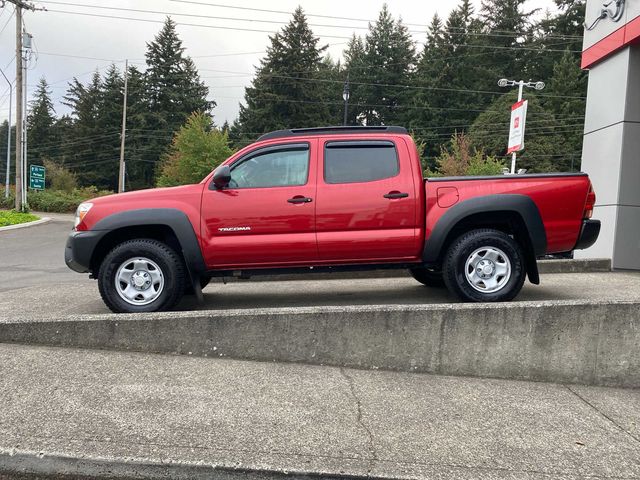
(427, 277)
(141, 275)
(484, 265)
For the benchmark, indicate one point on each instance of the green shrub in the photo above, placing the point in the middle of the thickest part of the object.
(9, 202)
(60, 178)
(54, 201)
(460, 158)
(60, 201)
(197, 148)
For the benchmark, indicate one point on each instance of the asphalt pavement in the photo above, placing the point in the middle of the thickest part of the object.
(35, 280)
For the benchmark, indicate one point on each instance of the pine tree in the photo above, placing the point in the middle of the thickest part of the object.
(389, 60)
(287, 90)
(543, 143)
(104, 171)
(82, 145)
(426, 112)
(140, 144)
(449, 77)
(567, 88)
(506, 26)
(173, 89)
(355, 69)
(331, 90)
(41, 135)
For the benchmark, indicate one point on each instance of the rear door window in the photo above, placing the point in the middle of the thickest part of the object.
(360, 161)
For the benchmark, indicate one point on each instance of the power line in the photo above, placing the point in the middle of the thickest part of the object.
(254, 20)
(220, 27)
(243, 29)
(80, 56)
(8, 20)
(264, 10)
(390, 85)
(194, 15)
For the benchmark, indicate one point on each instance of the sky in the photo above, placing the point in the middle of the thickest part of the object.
(73, 38)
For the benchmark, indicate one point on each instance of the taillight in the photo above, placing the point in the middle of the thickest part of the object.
(591, 201)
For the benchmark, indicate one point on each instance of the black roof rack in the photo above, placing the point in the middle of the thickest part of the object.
(340, 129)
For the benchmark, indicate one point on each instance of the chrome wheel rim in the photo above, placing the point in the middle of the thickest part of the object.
(139, 281)
(487, 269)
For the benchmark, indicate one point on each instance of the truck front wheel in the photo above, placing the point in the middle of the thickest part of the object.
(142, 275)
(484, 265)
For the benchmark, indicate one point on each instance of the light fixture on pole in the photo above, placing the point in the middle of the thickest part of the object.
(520, 122)
(345, 97)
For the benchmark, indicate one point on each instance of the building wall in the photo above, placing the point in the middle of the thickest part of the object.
(611, 149)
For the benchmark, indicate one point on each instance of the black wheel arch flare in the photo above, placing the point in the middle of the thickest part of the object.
(174, 219)
(534, 245)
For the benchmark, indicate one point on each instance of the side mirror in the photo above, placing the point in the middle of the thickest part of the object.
(222, 176)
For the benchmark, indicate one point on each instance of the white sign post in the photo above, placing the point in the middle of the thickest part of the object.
(516, 130)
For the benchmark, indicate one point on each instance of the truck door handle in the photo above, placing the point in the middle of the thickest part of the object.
(395, 194)
(300, 199)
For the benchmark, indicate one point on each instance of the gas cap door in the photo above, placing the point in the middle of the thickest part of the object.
(447, 196)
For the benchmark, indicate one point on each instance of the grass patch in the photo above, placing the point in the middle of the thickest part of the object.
(11, 217)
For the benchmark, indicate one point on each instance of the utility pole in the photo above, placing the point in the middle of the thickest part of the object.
(503, 82)
(6, 183)
(121, 173)
(26, 46)
(20, 102)
(345, 96)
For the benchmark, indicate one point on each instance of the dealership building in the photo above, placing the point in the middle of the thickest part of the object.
(611, 150)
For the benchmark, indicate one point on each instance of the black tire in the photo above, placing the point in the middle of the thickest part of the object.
(428, 277)
(169, 263)
(460, 251)
(204, 281)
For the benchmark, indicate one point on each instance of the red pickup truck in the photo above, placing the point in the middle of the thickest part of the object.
(329, 199)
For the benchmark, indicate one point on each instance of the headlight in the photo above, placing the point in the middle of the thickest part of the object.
(81, 212)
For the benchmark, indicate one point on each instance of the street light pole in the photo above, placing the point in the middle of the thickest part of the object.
(122, 169)
(6, 182)
(513, 155)
(503, 82)
(345, 96)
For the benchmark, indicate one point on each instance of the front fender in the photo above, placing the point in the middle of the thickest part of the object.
(173, 218)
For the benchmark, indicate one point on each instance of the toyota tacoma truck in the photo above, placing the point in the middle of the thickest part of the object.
(329, 199)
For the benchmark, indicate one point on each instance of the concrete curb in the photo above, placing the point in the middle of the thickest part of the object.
(586, 265)
(593, 343)
(40, 466)
(591, 265)
(26, 224)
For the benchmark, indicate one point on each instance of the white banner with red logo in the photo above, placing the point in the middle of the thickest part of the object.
(516, 130)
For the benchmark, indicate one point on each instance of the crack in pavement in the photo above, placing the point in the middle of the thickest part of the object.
(604, 415)
(354, 394)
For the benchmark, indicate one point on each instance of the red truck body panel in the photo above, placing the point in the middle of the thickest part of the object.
(343, 223)
(560, 200)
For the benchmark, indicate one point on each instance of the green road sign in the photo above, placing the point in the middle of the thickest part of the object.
(36, 177)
